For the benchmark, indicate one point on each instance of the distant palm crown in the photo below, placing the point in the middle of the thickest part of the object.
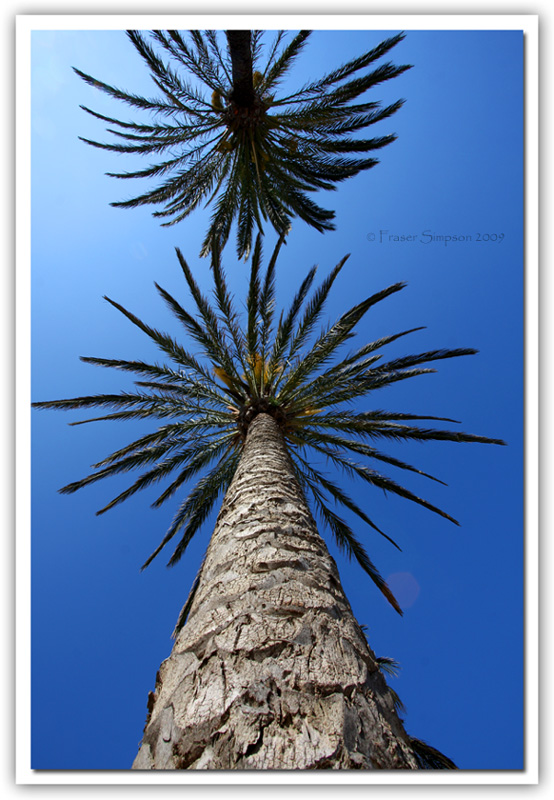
(242, 146)
(284, 370)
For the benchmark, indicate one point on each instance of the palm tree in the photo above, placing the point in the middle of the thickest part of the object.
(236, 139)
(269, 669)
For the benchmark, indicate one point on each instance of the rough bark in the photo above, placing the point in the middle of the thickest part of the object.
(271, 669)
(241, 65)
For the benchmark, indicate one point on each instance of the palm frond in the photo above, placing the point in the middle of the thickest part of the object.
(428, 757)
(388, 665)
(197, 506)
(356, 64)
(338, 495)
(267, 299)
(330, 340)
(346, 539)
(253, 299)
(339, 443)
(286, 326)
(378, 480)
(275, 71)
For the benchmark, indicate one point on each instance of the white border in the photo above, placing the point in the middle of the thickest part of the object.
(24, 26)
(381, 22)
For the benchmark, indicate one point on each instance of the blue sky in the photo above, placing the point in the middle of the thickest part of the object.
(100, 627)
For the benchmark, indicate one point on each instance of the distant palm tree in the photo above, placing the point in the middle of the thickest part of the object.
(244, 145)
(271, 670)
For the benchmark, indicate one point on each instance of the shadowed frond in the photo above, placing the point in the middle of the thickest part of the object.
(428, 757)
(342, 533)
(388, 665)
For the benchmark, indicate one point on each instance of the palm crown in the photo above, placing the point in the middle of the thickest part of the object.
(282, 369)
(235, 141)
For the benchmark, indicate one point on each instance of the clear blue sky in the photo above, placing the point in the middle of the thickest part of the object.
(100, 627)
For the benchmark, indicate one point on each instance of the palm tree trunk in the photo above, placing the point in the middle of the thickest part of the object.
(271, 670)
(241, 62)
